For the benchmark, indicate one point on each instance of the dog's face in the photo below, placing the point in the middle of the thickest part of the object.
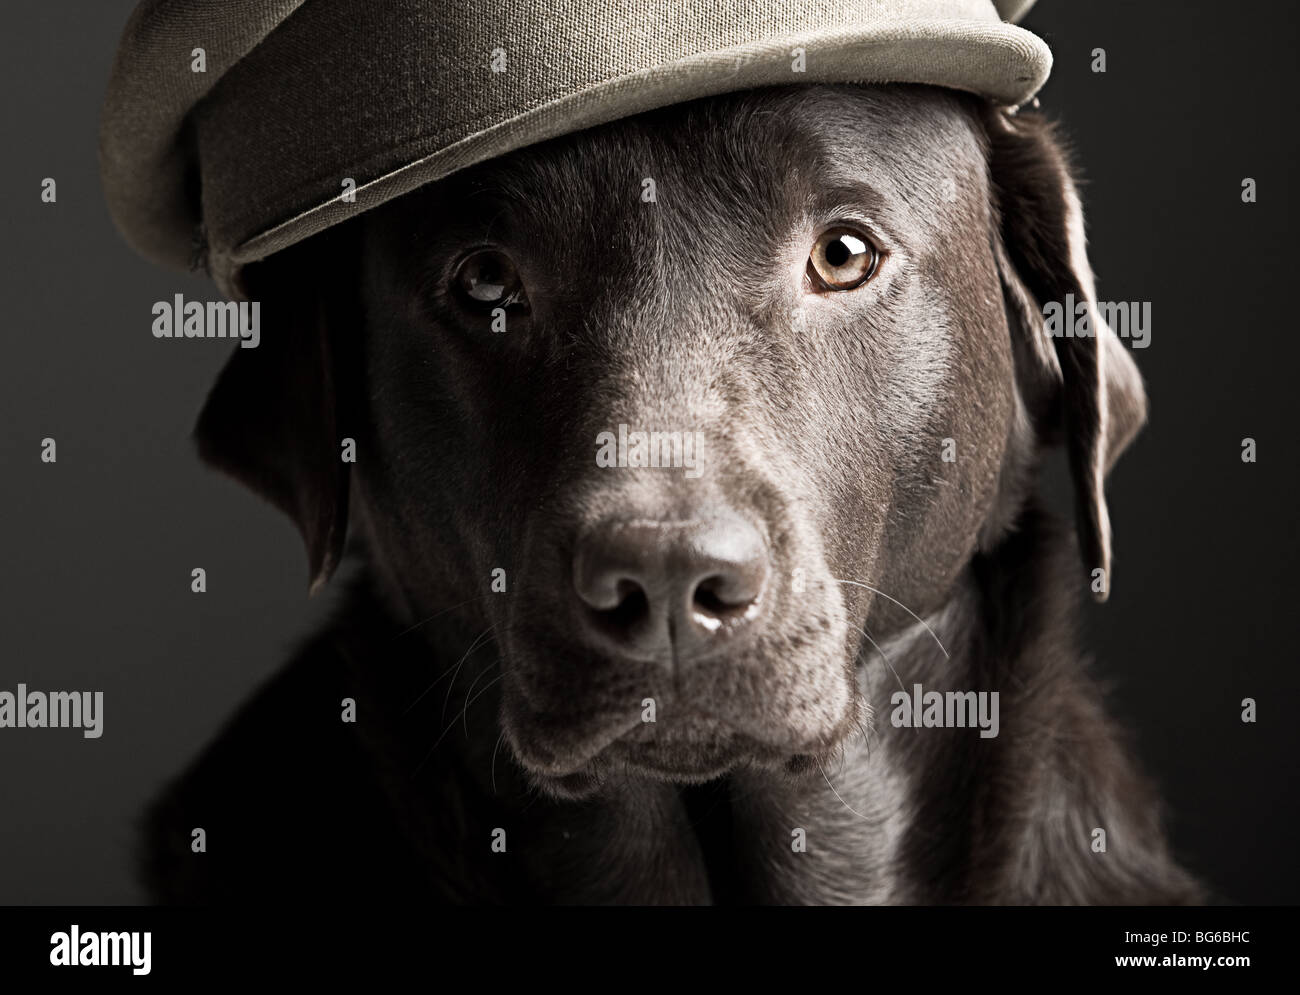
(692, 388)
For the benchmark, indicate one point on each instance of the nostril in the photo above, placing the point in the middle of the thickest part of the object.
(707, 600)
(632, 607)
(721, 598)
(629, 625)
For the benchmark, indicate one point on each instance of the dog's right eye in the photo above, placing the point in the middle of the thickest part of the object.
(488, 279)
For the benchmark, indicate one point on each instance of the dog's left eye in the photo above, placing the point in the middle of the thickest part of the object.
(841, 259)
(488, 279)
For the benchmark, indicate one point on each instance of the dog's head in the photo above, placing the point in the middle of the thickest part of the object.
(686, 405)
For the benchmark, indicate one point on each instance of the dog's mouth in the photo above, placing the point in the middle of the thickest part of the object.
(691, 748)
(703, 750)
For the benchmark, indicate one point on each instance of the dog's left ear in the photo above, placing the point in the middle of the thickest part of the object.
(1085, 386)
(275, 418)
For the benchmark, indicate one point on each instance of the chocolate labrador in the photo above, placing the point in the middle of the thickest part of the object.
(691, 464)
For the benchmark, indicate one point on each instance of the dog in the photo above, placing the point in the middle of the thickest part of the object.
(559, 678)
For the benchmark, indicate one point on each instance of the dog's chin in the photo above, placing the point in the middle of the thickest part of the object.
(692, 756)
(615, 767)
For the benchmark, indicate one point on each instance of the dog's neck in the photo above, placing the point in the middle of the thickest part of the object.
(904, 815)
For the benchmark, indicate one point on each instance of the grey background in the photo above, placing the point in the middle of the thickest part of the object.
(94, 590)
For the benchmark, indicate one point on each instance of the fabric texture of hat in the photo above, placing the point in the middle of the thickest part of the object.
(298, 98)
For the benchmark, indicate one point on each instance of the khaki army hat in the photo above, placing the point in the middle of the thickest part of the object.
(236, 128)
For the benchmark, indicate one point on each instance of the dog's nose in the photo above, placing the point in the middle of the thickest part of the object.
(649, 588)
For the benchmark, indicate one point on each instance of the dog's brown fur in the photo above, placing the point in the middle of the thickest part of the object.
(475, 453)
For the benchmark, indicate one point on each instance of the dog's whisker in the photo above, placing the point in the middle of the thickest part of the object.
(900, 604)
(452, 725)
(865, 733)
(437, 614)
(472, 646)
(862, 629)
(437, 680)
(837, 794)
(464, 711)
(862, 725)
(493, 767)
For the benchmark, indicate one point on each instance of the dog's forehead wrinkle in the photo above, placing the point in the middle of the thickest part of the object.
(704, 162)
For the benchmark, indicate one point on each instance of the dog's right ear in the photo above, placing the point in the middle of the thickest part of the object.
(274, 419)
